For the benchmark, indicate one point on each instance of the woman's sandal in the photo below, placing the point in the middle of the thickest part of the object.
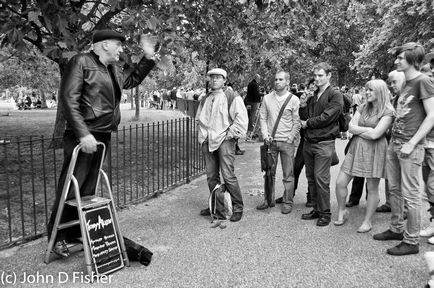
(364, 229)
(345, 217)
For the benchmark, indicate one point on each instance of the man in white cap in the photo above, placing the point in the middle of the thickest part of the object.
(222, 118)
(89, 96)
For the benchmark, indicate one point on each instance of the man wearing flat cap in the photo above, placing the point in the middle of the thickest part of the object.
(222, 119)
(89, 96)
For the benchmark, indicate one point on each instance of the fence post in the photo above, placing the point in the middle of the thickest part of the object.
(187, 170)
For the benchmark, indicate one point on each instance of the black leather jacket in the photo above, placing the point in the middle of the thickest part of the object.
(88, 96)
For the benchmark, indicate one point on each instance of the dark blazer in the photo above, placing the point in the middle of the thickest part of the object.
(322, 122)
(90, 92)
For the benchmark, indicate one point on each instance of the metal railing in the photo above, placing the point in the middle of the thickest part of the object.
(143, 160)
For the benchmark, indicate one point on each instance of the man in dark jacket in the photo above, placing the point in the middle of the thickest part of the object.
(89, 95)
(253, 99)
(322, 128)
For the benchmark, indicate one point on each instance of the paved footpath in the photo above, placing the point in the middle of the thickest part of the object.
(264, 249)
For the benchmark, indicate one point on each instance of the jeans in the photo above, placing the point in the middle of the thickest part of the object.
(223, 160)
(286, 151)
(404, 175)
(318, 160)
(428, 174)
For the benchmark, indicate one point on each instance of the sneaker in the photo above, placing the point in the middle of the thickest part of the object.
(428, 231)
(388, 235)
(403, 249)
(383, 209)
(61, 249)
(264, 206)
(286, 209)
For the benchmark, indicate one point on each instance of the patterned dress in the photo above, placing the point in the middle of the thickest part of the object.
(367, 158)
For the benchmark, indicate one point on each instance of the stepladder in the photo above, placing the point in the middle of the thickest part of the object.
(103, 245)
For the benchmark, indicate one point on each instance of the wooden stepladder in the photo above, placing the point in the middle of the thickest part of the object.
(103, 244)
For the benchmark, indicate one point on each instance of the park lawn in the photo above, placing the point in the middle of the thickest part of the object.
(39, 122)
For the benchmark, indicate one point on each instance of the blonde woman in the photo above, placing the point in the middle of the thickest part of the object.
(366, 155)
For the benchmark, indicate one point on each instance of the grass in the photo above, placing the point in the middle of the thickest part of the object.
(39, 122)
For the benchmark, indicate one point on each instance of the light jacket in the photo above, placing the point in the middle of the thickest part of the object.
(217, 122)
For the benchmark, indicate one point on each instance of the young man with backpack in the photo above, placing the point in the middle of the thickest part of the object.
(222, 119)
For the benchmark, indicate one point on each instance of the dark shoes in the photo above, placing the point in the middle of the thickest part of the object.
(388, 235)
(264, 206)
(324, 220)
(351, 204)
(403, 249)
(205, 212)
(236, 216)
(310, 216)
(383, 209)
(279, 200)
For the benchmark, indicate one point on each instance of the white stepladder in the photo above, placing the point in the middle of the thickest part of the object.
(101, 235)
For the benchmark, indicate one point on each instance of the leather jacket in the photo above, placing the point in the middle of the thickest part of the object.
(90, 92)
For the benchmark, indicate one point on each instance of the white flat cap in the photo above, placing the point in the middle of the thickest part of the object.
(217, 71)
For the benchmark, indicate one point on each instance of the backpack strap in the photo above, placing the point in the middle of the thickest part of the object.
(230, 96)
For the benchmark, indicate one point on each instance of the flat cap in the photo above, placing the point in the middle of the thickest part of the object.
(217, 71)
(100, 35)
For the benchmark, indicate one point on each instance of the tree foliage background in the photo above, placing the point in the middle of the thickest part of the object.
(243, 36)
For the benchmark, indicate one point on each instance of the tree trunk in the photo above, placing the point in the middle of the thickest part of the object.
(59, 126)
(132, 98)
(137, 100)
(206, 73)
(43, 99)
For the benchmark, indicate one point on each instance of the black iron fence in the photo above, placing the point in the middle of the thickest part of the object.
(142, 161)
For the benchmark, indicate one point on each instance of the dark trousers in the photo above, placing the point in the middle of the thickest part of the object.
(318, 160)
(357, 190)
(86, 172)
(299, 163)
(251, 113)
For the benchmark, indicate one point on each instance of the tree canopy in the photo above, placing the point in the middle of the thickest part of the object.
(245, 37)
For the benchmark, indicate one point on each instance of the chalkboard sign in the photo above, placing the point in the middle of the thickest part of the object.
(103, 240)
